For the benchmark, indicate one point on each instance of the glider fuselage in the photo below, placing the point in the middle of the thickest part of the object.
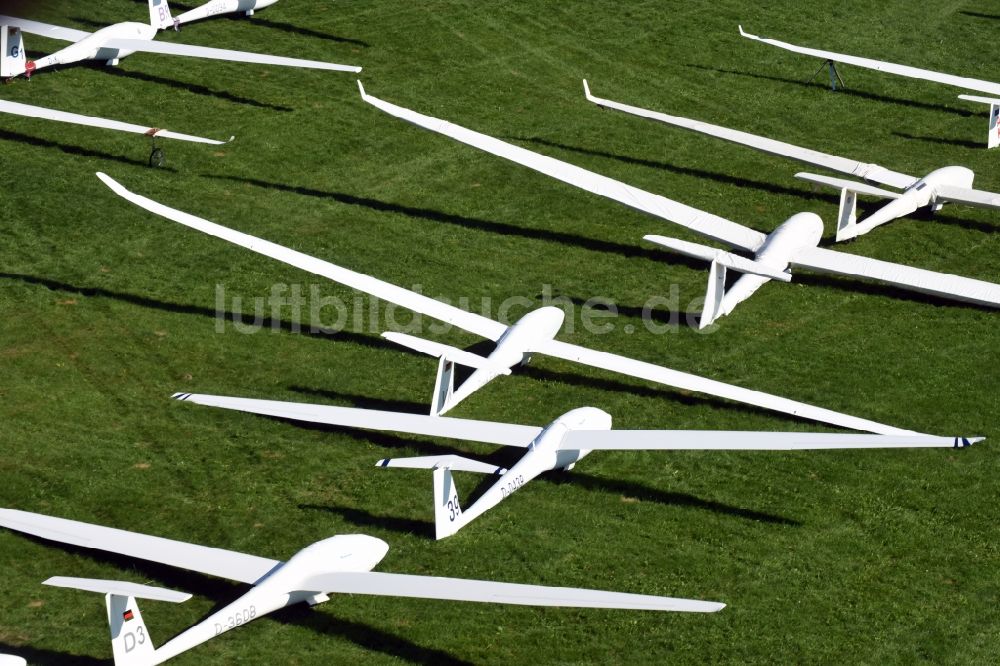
(92, 47)
(283, 586)
(216, 7)
(543, 455)
(800, 231)
(513, 347)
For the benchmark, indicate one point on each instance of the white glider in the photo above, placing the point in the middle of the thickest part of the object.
(29, 111)
(560, 445)
(964, 82)
(216, 7)
(117, 41)
(338, 565)
(532, 334)
(794, 244)
(944, 185)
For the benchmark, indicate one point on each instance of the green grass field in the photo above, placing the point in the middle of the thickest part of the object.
(858, 557)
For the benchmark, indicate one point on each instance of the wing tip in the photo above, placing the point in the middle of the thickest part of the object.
(361, 88)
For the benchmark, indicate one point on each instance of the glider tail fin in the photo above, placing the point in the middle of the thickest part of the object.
(447, 510)
(159, 15)
(716, 304)
(130, 639)
(12, 62)
(993, 138)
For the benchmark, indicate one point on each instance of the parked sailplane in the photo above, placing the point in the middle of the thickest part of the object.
(216, 7)
(794, 244)
(944, 185)
(534, 333)
(559, 445)
(964, 82)
(337, 565)
(117, 41)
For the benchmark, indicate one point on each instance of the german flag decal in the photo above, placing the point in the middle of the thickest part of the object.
(127, 615)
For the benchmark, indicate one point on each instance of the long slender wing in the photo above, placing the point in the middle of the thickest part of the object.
(461, 589)
(968, 196)
(888, 67)
(689, 382)
(169, 48)
(907, 277)
(212, 561)
(871, 172)
(92, 121)
(488, 432)
(465, 320)
(717, 440)
(706, 224)
(44, 29)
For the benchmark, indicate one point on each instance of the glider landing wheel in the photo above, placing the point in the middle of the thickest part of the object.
(156, 158)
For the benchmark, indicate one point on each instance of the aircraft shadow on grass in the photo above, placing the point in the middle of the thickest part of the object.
(489, 226)
(778, 189)
(980, 15)
(959, 143)
(377, 342)
(40, 657)
(627, 489)
(17, 137)
(177, 8)
(373, 341)
(927, 106)
(771, 188)
(225, 591)
(195, 88)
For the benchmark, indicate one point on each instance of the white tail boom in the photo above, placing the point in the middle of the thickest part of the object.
(12, 44)
(720, 260)
(847, 215)
(448, 357)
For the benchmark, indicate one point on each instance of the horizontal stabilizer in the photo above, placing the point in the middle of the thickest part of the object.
(727, 259)
(739, 440)
(438, 350)
(457, 463)
(845, 184)
(119, 587)
(460, 589)
(980, 99)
